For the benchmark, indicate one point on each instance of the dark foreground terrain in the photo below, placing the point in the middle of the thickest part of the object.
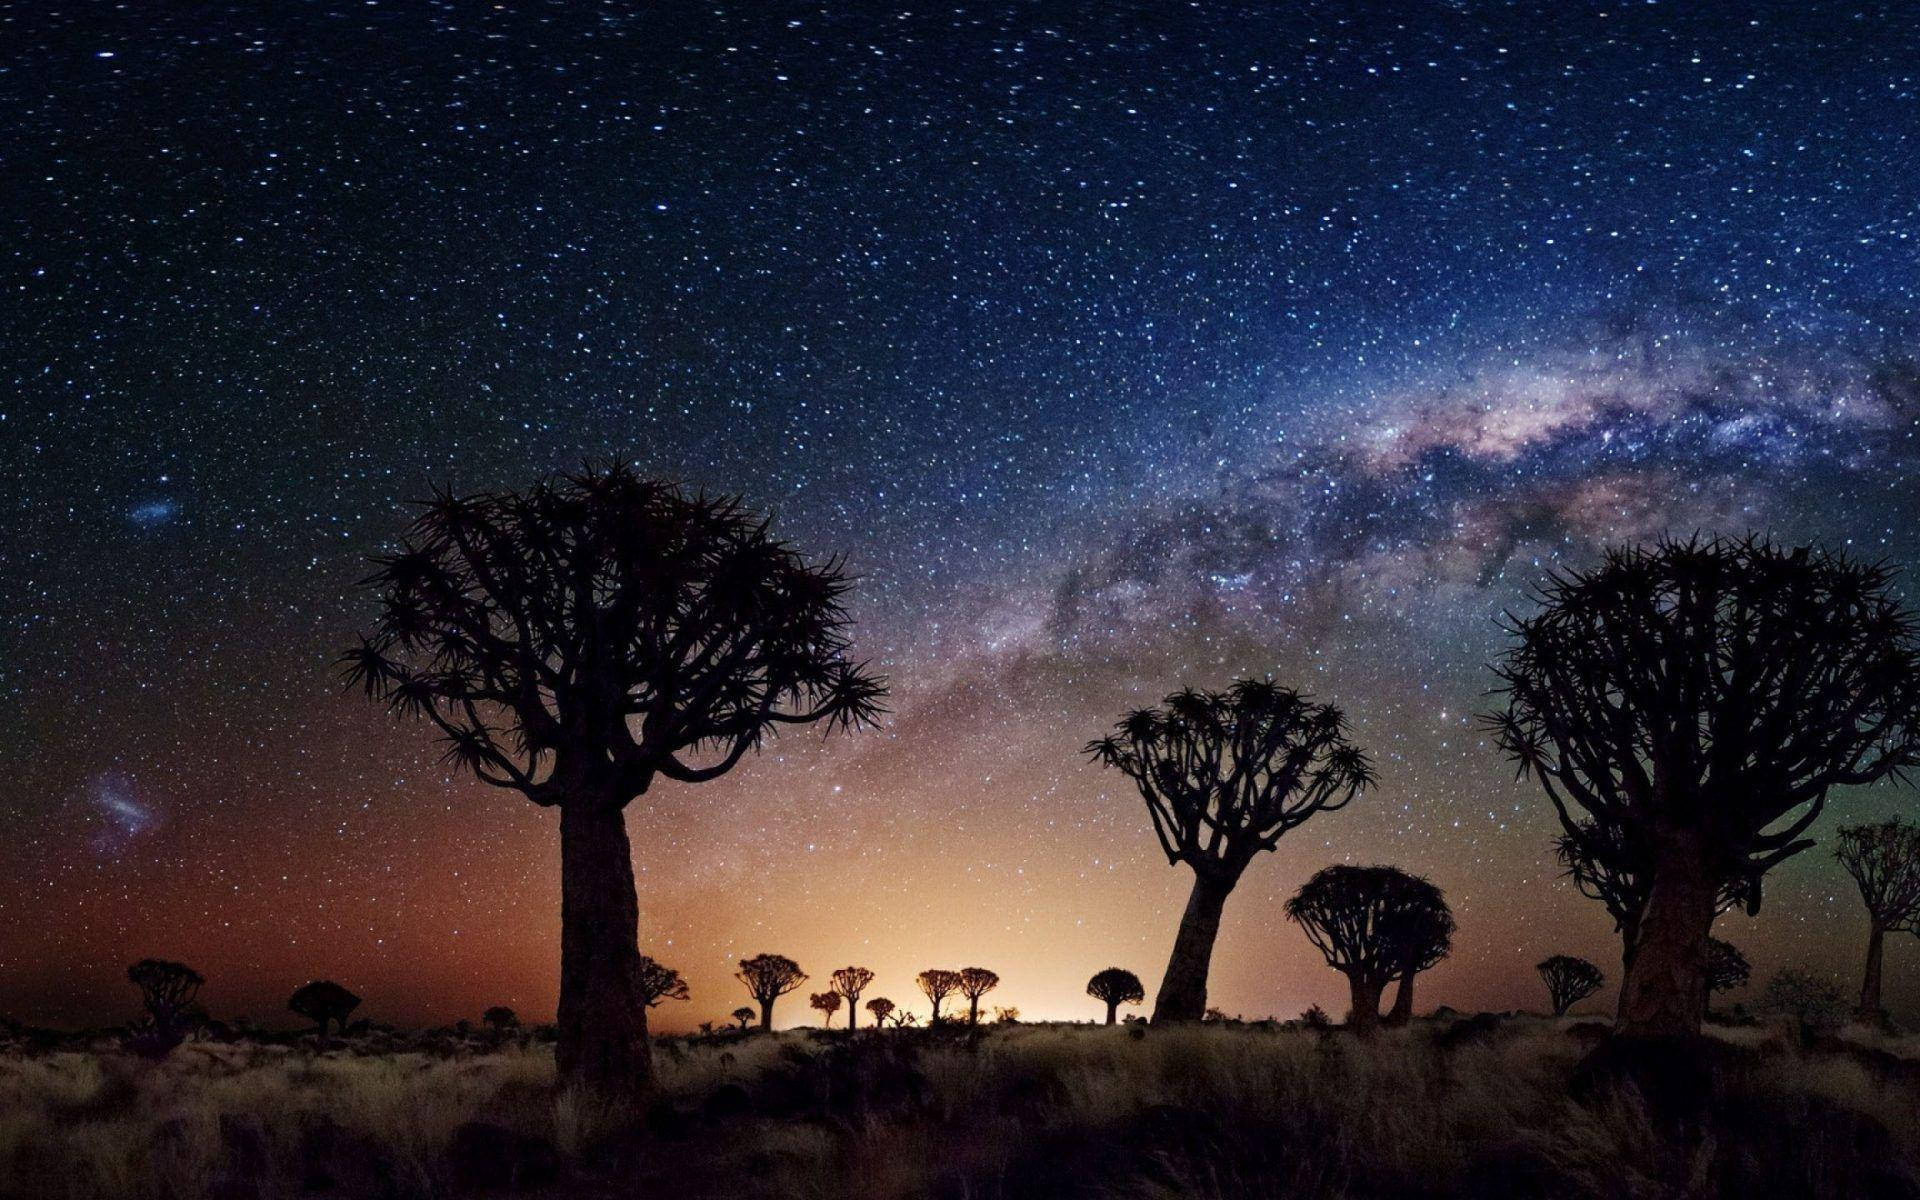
(1448, 1107)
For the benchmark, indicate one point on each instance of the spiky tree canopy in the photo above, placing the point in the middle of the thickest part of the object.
(1421, 933)
(976, 982)
(1116, 986)
(770, 976)
(1569, 980)
(937, 983)
(1727, 968)
(880, 1007)
(1884, 860)
(659, 982)
(167, 988)
(851, 981)
(1366, 919)
(824, 1002)
(1713, 687)
(743, 1014)
(322, 1001)
(1225, 774)
(598, 630)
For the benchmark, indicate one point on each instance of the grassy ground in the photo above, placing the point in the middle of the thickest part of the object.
(1442, 1108)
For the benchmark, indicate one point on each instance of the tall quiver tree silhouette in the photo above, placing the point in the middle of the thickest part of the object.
(1693, 704)
(1114, 987)
(1420, 936)
(976, 982)
(937, 984)
(769, 977)
(849, 982)
(582, 640)
(1224, 776)
(1569, 980)
(1884, 860)
(167, 991)
(323, 1001)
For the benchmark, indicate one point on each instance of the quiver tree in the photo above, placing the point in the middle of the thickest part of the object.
(167, 991)
(1224, 776)
(500, 1018)
(976, 982)
(1884, 860)
(937, 984)
(1727, 969)
(849, 982)
(1114, 987)
(744, 1016)
(578, 642)
(826, 1004)
(1693, 704)
(657, 982)
(1421, 935)
(1569, 980)
(881, 1008)
(323, 1001)
(1361, 919)
(769, 977)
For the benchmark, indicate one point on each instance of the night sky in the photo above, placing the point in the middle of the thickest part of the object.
(1117, 347)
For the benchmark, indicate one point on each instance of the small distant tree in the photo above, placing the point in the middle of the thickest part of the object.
(881, 1008)
(849, 982)
(744, 1016)
(976, 982)
(1884, 860)
(1727, 968)
(1811, 1004)
(167, 991)
(1224, 776)
(581, 640)
(1114, 987)
(1420, 936)
(826, 1004)
(1006, 1014)
(658, 982)
(1692, 705)
(1569, 980)
(500, 1018)
(1316, 1018)
(1358, 917)
(937, 984)
(323, 1001)
(769, 977)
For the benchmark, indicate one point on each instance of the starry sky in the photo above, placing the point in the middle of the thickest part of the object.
(1117, 346)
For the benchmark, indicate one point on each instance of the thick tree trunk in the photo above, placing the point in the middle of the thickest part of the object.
(1363, 1013)
(1402, 1001)
(1665, 990)
(766, 1016)
(1183, 989)
(1113, 1007)
(1870, 983)
(973, 1010)
(853, 1015)
(603, 1042)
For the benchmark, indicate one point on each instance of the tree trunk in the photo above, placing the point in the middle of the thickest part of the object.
(1402, 1001)
(603, 1042)
(1363, 1015)
(766, 1016)
(1629, 934)
(1113, 1007)
(973, 1010)
(1183, 989)
(1665, 990)
(1870, 983)
(853, 1013)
